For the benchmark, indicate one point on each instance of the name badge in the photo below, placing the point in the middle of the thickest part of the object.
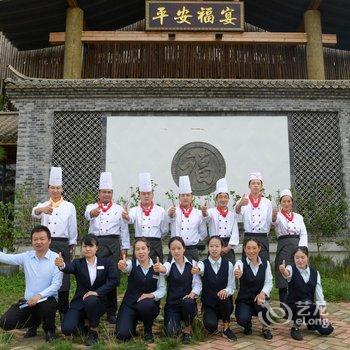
(100, 267)
(155, 277)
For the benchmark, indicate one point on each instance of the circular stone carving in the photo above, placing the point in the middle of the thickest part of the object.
(203, 163)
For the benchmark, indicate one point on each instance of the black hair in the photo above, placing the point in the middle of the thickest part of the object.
(284, 196)
(255, 179)
(141, 239)
(177, 238)
(90, 240)
(40, 228)
(218, 238)
(251, 239)
(302, 249)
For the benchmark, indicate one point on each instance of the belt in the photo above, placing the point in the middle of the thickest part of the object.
(255, 234)
(193, 246)
(152, 239)
(108, 236)
(59, 239)
(287, 236)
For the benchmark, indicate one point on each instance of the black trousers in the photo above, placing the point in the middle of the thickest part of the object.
(174, 314)
(211, 315)
(145, 311)
(309, 313)
(245, 311)
(109, 247)
(156, 249)
(92, 311)
(28, 317)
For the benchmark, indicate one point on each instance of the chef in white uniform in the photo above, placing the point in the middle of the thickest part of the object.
(60, 217)
(256, 211)
(186, 221)
(222, 221)
(149, 219)
(105, 221)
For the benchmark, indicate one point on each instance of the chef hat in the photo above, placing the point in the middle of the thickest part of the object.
(55, 177)
(286, 193)
(106, 181)
(145, 184)
(255, 175)
(184, 185)
(221, 187)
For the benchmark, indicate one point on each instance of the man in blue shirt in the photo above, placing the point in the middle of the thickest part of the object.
(43, 280)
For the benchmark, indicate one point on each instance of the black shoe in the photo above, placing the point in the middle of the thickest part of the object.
(91, 338)
(267, 333)
(111, 319)
(31, 332)
(227, 333)
(295, 333)
(149, 339)
(311, 327)
(186, 338)
(248, 330)
(50, 336)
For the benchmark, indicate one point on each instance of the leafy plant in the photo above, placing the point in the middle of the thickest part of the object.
(26, 200)
(81, 200)
(324, 212)
(8, 232)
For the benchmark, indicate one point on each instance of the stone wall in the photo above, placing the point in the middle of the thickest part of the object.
(39, 101)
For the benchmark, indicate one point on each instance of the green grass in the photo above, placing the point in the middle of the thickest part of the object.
(335, 282)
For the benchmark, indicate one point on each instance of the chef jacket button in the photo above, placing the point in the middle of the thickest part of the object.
(56, 214)
(148, 227)
(225, 228)
(259, 208)
(181, 228)
(226, 221)
(187, 228)
(143, 226)
(220, 220)
(182, 221)
(220, 228)
(55, 223)
(186, 237)
(49, 222)
(149, 219)
(253, 208)
(107, 221)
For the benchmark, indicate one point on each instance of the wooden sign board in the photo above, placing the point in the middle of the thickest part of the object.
(195, 15)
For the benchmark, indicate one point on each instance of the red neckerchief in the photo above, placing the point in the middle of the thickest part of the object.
(289, 216)
(223, 212)
(148, 210)
(255, 202)
(186, 212)
(103, 207)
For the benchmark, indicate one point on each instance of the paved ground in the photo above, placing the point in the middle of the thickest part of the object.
(339, 340)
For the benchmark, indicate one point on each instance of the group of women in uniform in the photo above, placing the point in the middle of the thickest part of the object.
(184, 279)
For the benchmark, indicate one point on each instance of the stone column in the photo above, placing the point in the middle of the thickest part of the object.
(314, 48)
(73, 47)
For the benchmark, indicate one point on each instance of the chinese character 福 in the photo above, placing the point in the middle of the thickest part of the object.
(205, 15)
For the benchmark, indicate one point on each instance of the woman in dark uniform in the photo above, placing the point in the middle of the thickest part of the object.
(218, 288)
(142, 297)
(254, 273)
(182, 290)
(305, 295)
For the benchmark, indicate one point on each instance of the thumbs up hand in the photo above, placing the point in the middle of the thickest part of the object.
(59, 262)
(238, 272)
(195, 269)
(244, 200)
(94, 213)
(159, 267)
(172, 211)
(204, 209)
(125, 214)
(122, 263)
(283, 269)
